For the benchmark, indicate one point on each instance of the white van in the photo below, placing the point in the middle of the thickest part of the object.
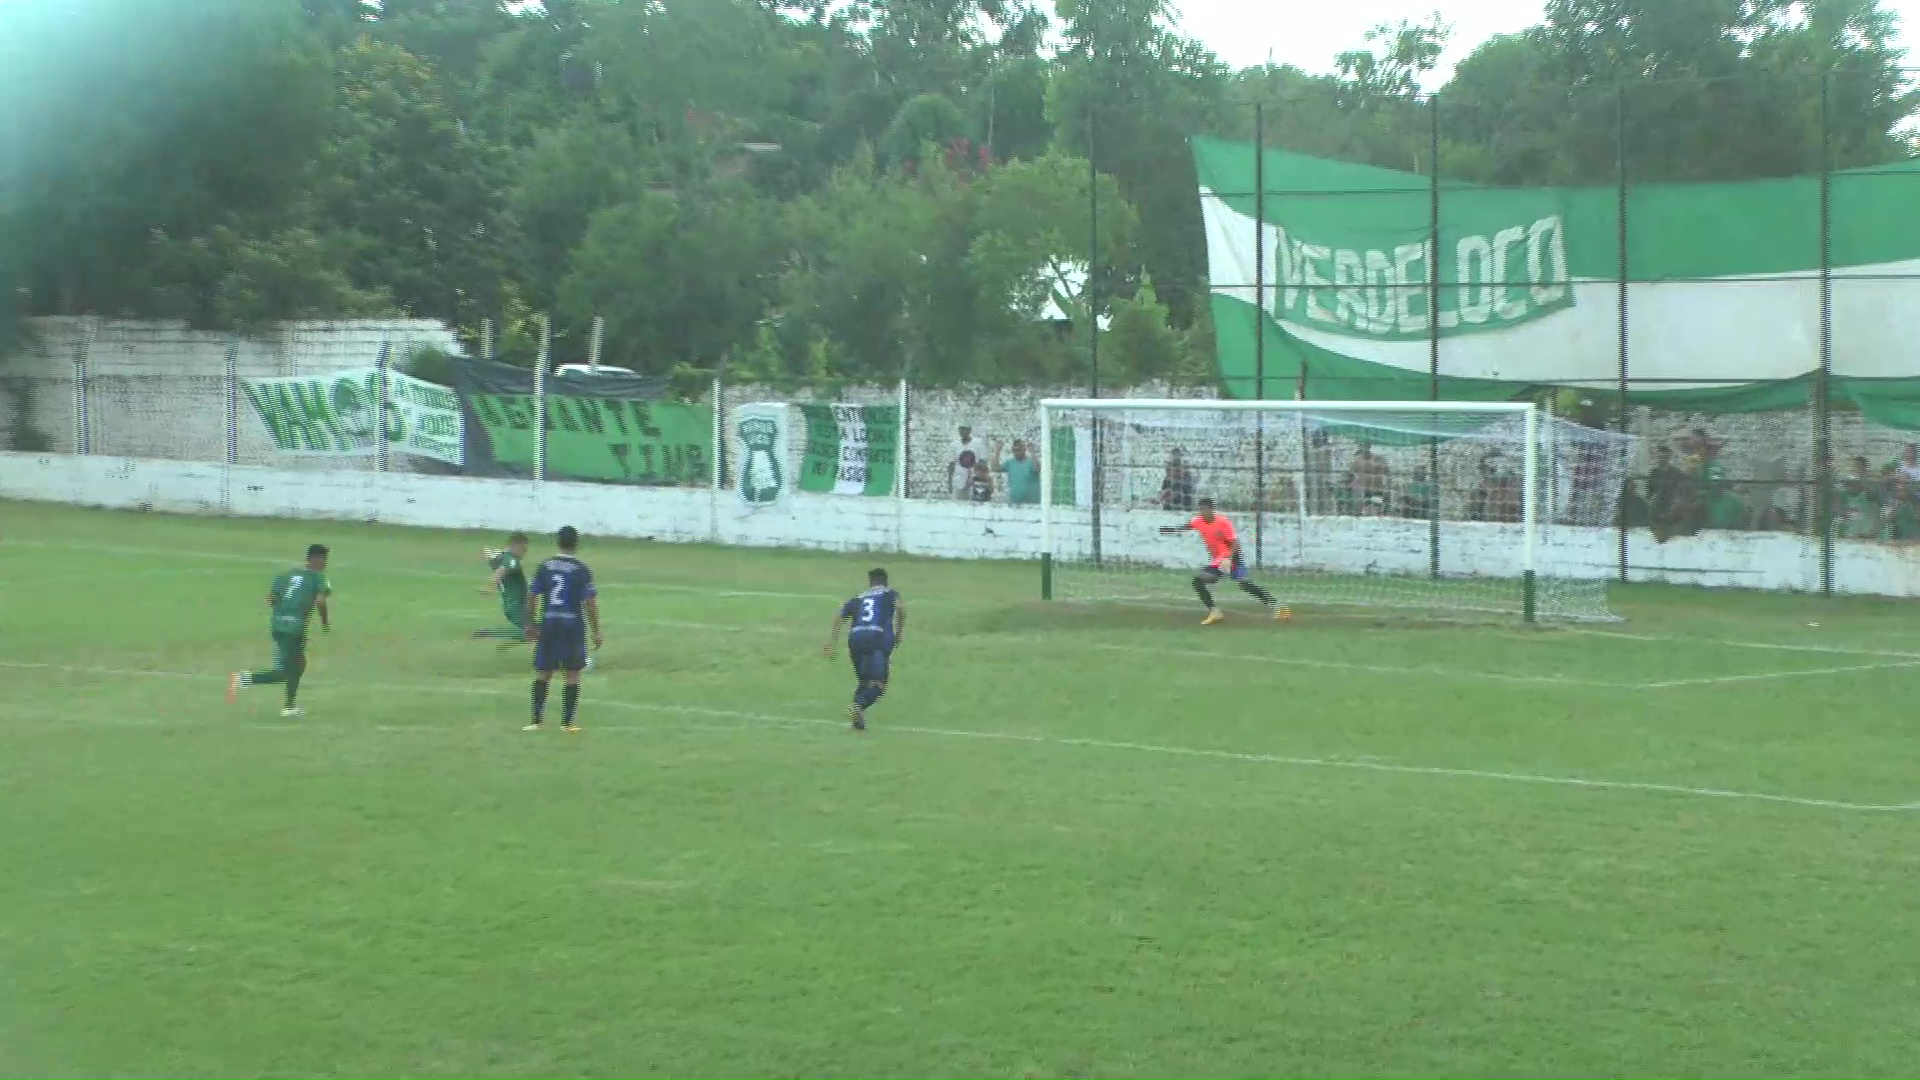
(582, 371)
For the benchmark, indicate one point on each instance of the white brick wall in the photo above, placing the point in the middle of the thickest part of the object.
(944, 529)
(156, 389)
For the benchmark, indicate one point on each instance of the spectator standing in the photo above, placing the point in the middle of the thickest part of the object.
(1319, 474)
(964, 456)
(1368, 483)
(1178, 485)
(1719, 506)
(980, 487)
(1421, 497)
(1666, 495)
(1498, 496)
(1861, 494)
(1022, 471)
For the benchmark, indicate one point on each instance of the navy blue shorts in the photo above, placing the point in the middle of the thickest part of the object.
(871, 654)
(1238, 572)
(561, 646)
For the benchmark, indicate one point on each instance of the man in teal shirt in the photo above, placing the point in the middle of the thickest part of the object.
(1023, 474)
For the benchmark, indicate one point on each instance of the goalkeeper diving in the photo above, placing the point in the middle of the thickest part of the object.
(1223, 560)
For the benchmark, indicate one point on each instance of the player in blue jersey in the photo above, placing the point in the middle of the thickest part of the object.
(565, 609)
(876, 620)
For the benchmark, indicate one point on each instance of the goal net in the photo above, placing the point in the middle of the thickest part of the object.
(1440, 507)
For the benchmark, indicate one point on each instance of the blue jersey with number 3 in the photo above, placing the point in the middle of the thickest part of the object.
(872, 612)
(562, 584)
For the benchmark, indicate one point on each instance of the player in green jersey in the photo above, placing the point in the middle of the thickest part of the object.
(510, 581)
(293, 598)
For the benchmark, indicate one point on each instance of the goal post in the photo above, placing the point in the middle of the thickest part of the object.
(1452, 508)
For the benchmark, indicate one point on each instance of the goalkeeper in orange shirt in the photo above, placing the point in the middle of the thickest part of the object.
(1223, 560)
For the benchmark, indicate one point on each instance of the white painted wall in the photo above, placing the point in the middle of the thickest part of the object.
(157, 389)
(917, 527)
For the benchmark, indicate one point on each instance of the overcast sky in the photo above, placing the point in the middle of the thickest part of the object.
(1308, 35)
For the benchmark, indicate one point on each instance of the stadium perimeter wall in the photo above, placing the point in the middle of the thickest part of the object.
(915, 527)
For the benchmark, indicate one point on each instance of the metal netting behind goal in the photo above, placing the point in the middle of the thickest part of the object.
(1406, 506)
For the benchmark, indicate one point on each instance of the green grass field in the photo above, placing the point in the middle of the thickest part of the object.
(1077, 842)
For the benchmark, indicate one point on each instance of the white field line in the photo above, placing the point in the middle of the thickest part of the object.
(1374, 669)
(1829, 650)
(1283, 661)
(477, 576)
(1765, 676)
(764, 719)
(1537, 680)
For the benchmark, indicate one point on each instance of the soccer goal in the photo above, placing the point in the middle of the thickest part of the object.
(1445, 508)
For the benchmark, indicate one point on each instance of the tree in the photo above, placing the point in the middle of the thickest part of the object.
(1128, 91)
(1140, 342)
(927, 119)
(132, 118)
(681, 279)
(423, 190)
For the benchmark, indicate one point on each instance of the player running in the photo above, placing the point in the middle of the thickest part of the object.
(565, 607)
(293, 598)
(878, 621)
(510, 581)
(1223, 560)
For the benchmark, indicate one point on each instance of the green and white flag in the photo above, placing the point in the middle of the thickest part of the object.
(760, 453)
(1724, 299)
(338, 415)
(851, 449)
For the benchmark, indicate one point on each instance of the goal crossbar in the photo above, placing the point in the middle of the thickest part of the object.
(1528, 412)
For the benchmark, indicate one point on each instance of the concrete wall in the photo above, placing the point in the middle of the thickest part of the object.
(157, 389)
(924, 527)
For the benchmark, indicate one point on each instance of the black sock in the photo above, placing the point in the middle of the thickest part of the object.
(569, 702)
(1206, 597)
(539, 699)
(294, 674)
(1264, 596)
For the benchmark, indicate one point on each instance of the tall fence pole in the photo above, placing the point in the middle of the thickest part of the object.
(1624, 268)
(1090, 291)
(544, 356)
(717, 481)
(82, 420)
(1259, 331)
(596, 342)
(486, 339)
(383, 410)
(230, 389)
(900, 474)
(1433, 325)
(1823, 431)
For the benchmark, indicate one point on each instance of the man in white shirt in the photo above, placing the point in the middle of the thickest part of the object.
(965, 455)
(1909, 466)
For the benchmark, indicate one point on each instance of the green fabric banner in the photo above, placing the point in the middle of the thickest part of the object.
(851, 449)
(607, 429)
(1727, 307)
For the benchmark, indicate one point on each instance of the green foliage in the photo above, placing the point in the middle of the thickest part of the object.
(680, 279)
(430, 364)
(1140, 342)
(808, 189)
(927, 119)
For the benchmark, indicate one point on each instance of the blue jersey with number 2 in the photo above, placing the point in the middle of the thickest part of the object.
(872, 612)
(562, 584)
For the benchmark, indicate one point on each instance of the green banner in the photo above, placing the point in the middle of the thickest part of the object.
(338, 415)
(1332, 286)
(609, 439)
(851, 449)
